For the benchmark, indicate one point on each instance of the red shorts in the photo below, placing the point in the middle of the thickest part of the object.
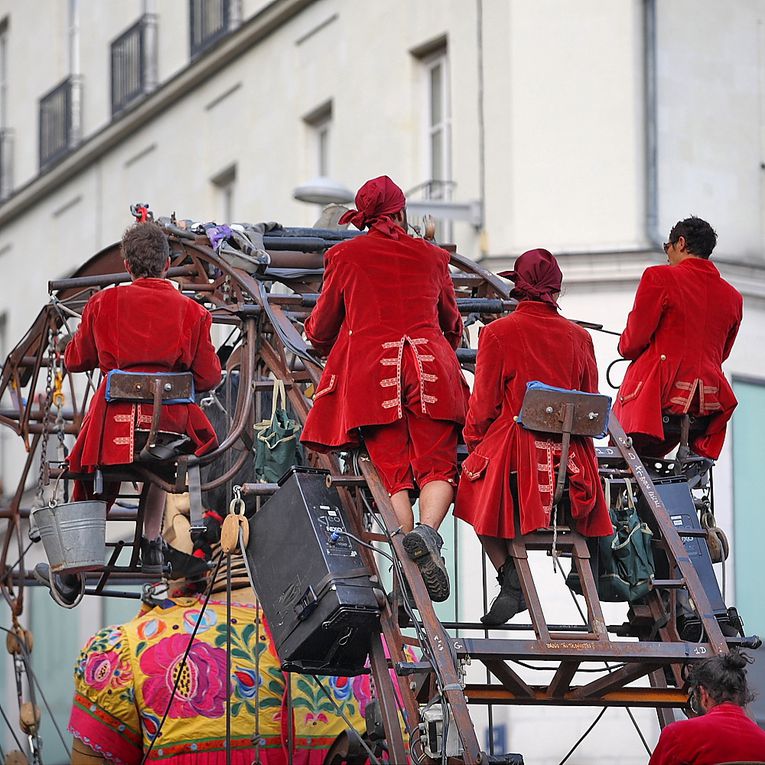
(414, 449)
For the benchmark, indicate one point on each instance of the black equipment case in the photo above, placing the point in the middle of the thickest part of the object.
(678, 500)
(320, 601)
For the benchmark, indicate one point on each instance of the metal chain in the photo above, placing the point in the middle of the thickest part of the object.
(45, 418)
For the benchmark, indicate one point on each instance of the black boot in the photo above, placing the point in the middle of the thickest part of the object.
(423, 545)
(68, 587)
(152, 556)
(510, 600)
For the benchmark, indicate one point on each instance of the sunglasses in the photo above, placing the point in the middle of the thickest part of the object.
(666, 246)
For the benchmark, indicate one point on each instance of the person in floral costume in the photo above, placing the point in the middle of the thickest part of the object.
(124, 681)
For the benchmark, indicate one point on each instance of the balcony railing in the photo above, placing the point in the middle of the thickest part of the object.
(134, 63)
(6, 163)
(59, 121)
(209, 21)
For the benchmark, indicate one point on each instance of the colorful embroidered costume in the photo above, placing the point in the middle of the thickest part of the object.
(533, 343)
(124, 680)
(679, 332)
(388, 318)
(147, 326)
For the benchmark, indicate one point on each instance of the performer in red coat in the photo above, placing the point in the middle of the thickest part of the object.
(723, 732)
(533, 343)
(678, 334)
(388, 320)
(147, 326)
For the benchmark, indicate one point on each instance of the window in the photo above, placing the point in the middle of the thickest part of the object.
(6, 135)
(438, 123)
(209, 21)
(319, 123)
(60, 110)
(133, 62)
(433, 63)
(225, 186)
(55, 123)
(748, 521)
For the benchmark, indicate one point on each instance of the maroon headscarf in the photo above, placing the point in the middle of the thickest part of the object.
(537, 276)
(376, 201)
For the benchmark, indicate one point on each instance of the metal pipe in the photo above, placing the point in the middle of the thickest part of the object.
(258, 489)
(102, 280)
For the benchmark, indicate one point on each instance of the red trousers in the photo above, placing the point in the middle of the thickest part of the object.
(416, 449)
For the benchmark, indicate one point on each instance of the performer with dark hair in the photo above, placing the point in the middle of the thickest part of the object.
(388, 320)
(679, 332)
(147, 326)
(172, 659)
(532, 343)
(722, 731)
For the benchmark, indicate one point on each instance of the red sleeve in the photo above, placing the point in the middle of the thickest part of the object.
(732, 334)
(205, 365)
(449, 318)
(667, 751)
(323, 325)
(81, 354)
(589, 382)
(488, 389)
(644, 318)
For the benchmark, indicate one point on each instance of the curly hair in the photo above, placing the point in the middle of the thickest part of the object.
(146, 250)
(700, 237)
(723, 677)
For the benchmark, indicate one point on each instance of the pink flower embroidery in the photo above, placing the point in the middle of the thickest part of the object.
(202, 687)
(104, 670)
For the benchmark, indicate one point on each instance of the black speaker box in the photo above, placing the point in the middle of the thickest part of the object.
(677, 498)
(321, 604)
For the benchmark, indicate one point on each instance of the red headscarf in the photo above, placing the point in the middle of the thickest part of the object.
(376, 201)
(537, 276)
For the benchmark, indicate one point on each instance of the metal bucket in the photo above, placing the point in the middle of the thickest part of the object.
(73, 535)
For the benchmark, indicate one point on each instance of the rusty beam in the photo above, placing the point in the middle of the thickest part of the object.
(509, 678)
(480, 694)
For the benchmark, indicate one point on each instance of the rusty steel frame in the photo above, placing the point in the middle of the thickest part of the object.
(269, 338)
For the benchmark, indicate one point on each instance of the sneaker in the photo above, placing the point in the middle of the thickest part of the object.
(68, 587)
(423, 545)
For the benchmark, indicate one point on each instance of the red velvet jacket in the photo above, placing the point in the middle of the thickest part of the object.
(678, 334)
(147, 326)
(724, 734)
(381, 296)
(533, 343)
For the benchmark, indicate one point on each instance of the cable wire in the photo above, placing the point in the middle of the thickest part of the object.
(182, 663)
(10, 728)
(583, 736)
(342, 714)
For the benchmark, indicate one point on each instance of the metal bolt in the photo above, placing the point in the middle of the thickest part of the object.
(138, 386)
(592, 416)
(168, 387)
(549, 410)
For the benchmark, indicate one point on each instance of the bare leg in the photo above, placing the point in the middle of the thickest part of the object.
(435, 498)
(153, 513)
(402, 507)
(496, 549)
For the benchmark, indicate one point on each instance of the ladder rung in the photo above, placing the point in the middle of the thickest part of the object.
(668, 584)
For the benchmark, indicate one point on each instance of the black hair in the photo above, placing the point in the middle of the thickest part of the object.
(723, 677)
(146, 249)
(700, 237)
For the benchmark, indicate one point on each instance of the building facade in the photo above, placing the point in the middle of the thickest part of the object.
(588, 128)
